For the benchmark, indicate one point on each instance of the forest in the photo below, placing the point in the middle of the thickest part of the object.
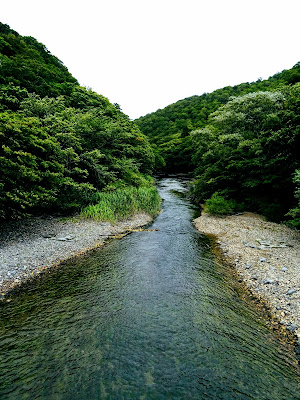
(240, 143)
(66, 149)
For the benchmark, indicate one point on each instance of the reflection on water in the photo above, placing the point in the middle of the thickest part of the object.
(149, 317)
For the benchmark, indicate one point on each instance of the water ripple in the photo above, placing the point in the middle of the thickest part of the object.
(150, 317)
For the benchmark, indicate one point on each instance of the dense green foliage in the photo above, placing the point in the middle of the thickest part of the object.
(121, 203)
(249, 151)
(28, 64)
(60, 143)
(242, 143)
(168, 129)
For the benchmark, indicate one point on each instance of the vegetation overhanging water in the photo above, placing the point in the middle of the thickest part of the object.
(149, 317)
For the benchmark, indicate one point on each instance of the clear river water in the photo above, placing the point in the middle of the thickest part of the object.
(151, 316)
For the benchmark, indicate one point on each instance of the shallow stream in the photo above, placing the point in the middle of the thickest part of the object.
(151, 316)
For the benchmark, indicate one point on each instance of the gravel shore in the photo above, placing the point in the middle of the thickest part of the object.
(30, 246)
(267, 257)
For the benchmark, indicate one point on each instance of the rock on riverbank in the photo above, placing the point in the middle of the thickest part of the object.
(267, 257)
(30, 246)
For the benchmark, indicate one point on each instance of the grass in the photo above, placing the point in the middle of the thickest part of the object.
(122, 203)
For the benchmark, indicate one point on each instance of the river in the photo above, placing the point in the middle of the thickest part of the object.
(151, 316)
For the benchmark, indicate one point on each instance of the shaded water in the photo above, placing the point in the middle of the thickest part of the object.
(149, 317)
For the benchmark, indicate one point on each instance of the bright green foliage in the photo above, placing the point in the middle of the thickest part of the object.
(59, 143)
(249, 151)
(218, 205)
(169, 128)
(122, 203)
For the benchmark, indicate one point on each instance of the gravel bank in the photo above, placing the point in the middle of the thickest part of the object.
(28, 247)
(266, 256)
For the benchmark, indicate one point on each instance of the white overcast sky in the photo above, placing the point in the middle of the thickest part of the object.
(147, 54)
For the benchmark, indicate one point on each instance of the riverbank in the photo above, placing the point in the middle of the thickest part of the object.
(266, 255)
(32, 246)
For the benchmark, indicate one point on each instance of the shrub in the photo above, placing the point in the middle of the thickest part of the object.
(218, 205)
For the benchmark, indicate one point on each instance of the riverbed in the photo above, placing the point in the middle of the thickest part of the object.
(151, 316)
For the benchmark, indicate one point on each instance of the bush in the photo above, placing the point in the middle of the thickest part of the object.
(218, 205)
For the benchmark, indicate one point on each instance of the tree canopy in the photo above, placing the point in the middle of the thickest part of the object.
(170, 127)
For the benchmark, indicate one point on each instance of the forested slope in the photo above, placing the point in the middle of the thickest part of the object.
(60, 144)
(168, 129)
(241, 142)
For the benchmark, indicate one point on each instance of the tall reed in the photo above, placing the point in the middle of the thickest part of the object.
(122, 203)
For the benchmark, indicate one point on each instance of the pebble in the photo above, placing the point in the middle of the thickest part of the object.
(268, 281)
(292, 327)
(291, 291)
(262, 259)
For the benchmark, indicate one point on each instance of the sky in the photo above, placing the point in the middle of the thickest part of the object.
(145, 55)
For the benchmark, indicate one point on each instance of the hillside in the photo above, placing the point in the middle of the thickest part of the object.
(241, 143)
(168, 129)
(61, 144)
(27, 63)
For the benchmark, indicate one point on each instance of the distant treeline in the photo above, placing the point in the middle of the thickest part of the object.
(60, 143)
(241, 142)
